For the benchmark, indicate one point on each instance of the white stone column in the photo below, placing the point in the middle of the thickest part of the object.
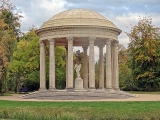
(70, 63)
(66, 66)
(108, 65)
(52, 64)
(42, 67)
(91, 63)
(85, 67)
(101, 67)
(112, 55)
(116, 67)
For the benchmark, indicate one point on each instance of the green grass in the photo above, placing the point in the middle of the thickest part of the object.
(79, 110)
(142, 92)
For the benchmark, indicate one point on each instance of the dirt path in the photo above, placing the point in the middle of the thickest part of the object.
(139, 97)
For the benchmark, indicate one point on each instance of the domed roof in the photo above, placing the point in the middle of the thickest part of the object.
(78, 17)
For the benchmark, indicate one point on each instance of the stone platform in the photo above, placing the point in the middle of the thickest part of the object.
(77, 95)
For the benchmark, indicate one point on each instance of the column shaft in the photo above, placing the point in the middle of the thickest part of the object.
(70, 62)
(112, 55)
(91, 64)
(116, 72)
(52, 64)
(108, 65)
(85, 67)
(42, 67)
(66, 67)
(101, 68)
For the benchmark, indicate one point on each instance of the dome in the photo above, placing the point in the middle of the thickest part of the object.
(78, 17)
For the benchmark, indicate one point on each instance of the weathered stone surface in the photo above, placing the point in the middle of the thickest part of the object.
(78, 17)
(79, 27)
(78, 95)
(78, 83)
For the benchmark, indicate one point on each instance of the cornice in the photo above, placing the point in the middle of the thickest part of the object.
(58, 28)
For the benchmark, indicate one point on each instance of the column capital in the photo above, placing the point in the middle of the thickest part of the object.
(116, 41)
(70, 39)
(85, 48)
(41, 43)
(91, 39)
(51, 40)
(100, 46)
(116, 44)
(108, 41)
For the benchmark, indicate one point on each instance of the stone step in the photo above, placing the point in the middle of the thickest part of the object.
(64, 95)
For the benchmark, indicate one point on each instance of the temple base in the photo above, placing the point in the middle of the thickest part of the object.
(78, 95)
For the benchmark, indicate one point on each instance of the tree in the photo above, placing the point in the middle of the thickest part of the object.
(5, 39)
(24, 69)
(60, 71)
(9, 34)
(125, 76)
(25, 62)
(144, 55)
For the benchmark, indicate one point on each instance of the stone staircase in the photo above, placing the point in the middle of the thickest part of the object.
(77, 95)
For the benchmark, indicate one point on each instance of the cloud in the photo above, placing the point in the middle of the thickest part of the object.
(36, 12)
(121, 12)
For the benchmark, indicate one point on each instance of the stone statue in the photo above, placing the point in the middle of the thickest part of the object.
(77, 67)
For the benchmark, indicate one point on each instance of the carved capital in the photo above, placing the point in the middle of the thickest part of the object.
(116, 41)
(116, 45)
(101, 46)
(42, 43)
(85, 48)
(51, 41)
(70, 40)
(92, 38)
(108, 41)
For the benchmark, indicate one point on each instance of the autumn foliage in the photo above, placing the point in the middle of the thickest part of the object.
(144, 55)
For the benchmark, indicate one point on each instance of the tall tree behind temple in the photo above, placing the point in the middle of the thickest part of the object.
(144, 55)
(25, 62)
(125, 76)
(24, 68)
(9, 33)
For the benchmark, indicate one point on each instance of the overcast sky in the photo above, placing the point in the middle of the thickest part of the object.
(122, 13)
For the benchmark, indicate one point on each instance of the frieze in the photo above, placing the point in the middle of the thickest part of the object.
(81, 32)
(76, 32)
(100, 28)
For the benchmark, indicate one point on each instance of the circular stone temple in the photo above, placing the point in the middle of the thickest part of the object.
(86, 29)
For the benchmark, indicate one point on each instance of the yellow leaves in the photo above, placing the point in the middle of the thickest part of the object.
(4, 50)
(145, 74)
(22, 45)
(2, 24)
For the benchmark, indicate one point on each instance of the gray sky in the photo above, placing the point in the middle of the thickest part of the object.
(123, 13)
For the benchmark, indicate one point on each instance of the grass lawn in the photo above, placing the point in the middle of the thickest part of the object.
(79, 110)
(142, 92)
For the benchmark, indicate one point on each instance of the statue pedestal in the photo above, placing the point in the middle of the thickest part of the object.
(78, 84)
